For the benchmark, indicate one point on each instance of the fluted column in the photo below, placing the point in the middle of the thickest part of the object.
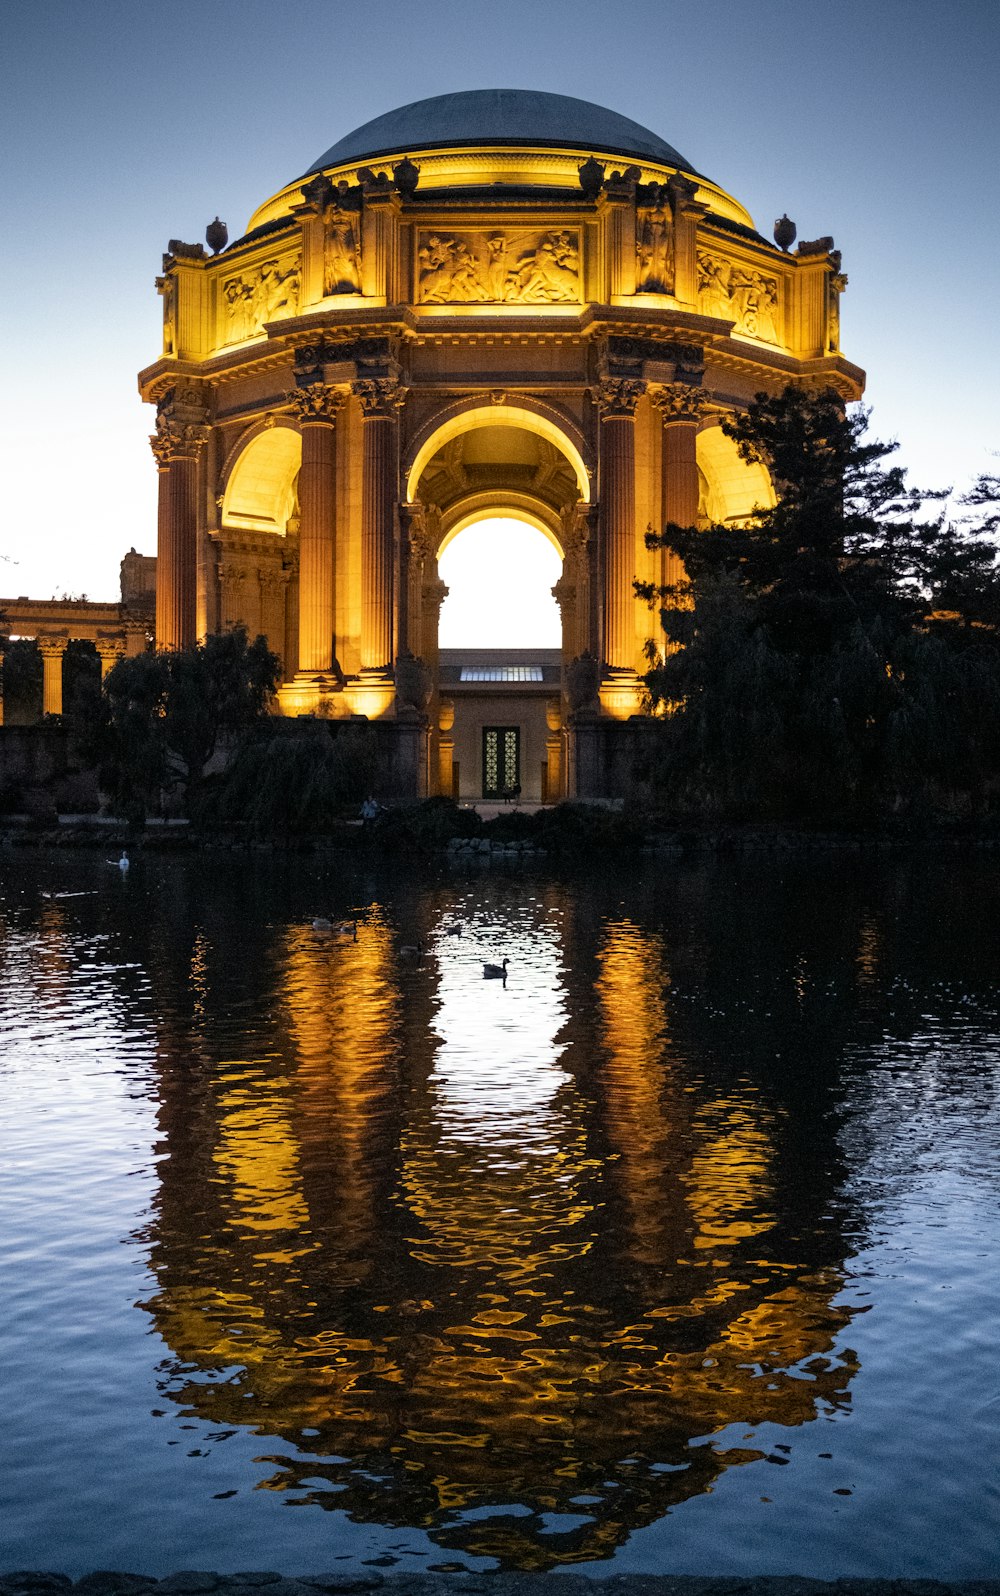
(176, 445)
(380, 401)
(317, 405)
(52, 650)
(681, 407)
(111, 650)
(617, 399)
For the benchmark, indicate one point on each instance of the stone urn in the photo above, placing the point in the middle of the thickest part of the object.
(414, 683)
(583, 678)
(216, 236)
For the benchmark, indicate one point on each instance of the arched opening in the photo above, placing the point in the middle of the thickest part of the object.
(500, 572)
(730, 489)
(499, 489)
(260, 494)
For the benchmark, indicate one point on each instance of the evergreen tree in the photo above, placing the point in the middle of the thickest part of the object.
(164, 716)
(839, 653)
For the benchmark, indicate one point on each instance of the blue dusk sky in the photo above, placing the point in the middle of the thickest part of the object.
(126, 123)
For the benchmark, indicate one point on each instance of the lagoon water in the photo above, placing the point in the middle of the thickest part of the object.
(678, 1253)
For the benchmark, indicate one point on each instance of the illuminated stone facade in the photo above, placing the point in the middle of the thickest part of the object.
(494, 303)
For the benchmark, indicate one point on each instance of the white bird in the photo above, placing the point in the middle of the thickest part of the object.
(495, 972)
(122, 863)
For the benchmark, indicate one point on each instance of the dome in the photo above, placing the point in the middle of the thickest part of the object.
(501, 116)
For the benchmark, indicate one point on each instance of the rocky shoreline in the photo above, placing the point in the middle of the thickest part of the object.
(360, 1583)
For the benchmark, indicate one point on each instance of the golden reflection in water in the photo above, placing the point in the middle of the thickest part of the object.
(418, 1239)
(645, 1106)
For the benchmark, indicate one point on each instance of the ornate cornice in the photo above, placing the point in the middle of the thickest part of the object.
(316, 402)
(618, 396)
(679, 401)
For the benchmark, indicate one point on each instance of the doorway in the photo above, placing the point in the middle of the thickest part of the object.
(501, 761)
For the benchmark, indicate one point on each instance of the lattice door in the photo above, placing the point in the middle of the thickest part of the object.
(501, 760)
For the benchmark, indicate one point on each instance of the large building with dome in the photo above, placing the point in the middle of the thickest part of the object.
(493, 303)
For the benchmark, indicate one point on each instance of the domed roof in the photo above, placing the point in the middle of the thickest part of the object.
(500, 116)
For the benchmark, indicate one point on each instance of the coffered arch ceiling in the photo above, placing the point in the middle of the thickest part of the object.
(497, 460)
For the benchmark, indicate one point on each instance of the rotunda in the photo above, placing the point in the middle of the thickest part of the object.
(499, 302)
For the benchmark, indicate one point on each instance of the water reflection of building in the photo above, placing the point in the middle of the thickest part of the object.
(491, 1246)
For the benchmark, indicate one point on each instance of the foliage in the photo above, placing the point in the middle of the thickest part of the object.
(839, 655)
(164, 717)
(292, 780)
(22, 681)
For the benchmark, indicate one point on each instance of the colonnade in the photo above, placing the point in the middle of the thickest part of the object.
(53, 648)
(319, 407)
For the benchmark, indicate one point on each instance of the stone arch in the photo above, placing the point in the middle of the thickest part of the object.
(510, 507)
(259, 489)
(731, 489)
(523, 412)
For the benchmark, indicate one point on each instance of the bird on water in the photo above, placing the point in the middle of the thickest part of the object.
(346, 928)
(495, 972)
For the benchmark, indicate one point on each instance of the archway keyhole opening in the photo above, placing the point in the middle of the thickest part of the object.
(500, 572)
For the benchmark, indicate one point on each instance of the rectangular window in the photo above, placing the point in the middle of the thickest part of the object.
(501, 761)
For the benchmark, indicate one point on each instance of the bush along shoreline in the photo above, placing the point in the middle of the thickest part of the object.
(438, 829)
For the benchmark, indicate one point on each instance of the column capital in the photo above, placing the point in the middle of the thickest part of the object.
(51, 647)
(177, 440)
(679, 401)
(316, 403)
(618, 397)
(379, 396)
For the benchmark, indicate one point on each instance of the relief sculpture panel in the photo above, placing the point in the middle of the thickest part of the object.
(748, 298)
(498, 268)
(252, 300)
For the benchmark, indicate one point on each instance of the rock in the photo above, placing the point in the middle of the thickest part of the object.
(25, 1580)
(189, 1582)
(113, 1582)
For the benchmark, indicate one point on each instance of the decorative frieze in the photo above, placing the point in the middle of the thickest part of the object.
(252, 299)
(499, 268)
(735, 293)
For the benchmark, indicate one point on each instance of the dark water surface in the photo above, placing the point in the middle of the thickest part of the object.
(678, 1253)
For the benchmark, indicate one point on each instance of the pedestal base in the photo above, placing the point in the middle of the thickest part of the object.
(371, 693)
(620, 694)
(314, 693)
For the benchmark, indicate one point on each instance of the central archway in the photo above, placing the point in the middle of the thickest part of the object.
(500, 569)
(500, 683)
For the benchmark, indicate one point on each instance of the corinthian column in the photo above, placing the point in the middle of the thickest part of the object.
(617, 399)
(317, 406)
(681, 407)
(380, 401)
(176, 445)
(52, 650)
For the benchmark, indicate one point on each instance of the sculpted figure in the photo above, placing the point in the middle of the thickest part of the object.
(552, 274)
(238, 297)
(169, 332)
(284, 294)
(654, 256)
(436, 269)
(767, 309)
(341, 252)
(713, 287)
(496, 265)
